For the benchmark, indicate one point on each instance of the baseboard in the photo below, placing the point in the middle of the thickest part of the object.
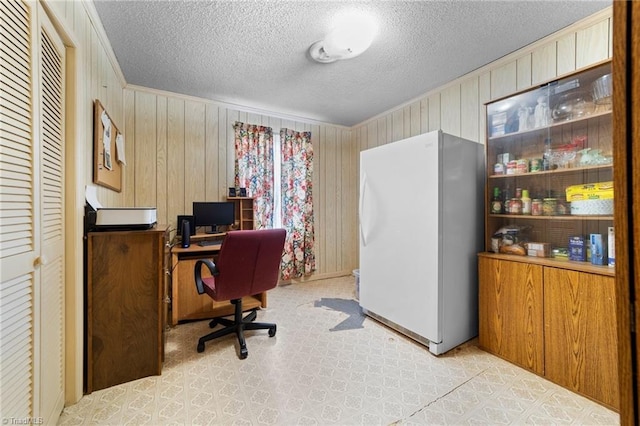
(316, 277)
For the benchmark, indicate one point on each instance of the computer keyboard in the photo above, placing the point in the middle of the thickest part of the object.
(210, 242)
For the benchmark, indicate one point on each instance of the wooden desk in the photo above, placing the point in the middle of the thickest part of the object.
(186, 303)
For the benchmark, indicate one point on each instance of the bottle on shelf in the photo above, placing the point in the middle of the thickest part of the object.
(536, 207)
(542, 113)
(496, 202)
(506, 200)
(526, 202)
(546, 156)
(515, 206)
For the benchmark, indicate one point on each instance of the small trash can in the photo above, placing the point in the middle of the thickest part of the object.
(356, 273)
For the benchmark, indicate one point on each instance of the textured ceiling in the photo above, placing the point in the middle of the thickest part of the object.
(254, 53)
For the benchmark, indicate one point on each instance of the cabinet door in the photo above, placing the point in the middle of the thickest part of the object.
(580, 333)
(550, 164)
(510, 309)
(187, 302)
(124, 288)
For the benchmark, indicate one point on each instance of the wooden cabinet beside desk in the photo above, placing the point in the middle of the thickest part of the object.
(186, 303)
(124, 306)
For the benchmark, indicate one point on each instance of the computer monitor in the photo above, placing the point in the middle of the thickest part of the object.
(212, 214)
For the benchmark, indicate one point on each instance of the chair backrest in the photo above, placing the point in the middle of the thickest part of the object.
(248, 263)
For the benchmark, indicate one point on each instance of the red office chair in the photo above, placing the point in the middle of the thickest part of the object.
(248, 264)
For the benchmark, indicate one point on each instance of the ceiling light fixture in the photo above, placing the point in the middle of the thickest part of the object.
(352, 35)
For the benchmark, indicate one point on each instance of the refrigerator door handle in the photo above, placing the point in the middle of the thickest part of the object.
(363, 186)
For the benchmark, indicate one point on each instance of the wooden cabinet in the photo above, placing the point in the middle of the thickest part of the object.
(580, 333)
(124, 306)
(243, 212)
(553, 320)
(186, 303)
(544, 304)
(510, 312)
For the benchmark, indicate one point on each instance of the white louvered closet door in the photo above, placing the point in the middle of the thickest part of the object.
(17, 209)
(50, 294)
(31, 216)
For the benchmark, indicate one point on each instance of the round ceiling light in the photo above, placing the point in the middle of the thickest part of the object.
(352, 35)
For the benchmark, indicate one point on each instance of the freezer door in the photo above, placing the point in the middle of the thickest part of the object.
(399, 233)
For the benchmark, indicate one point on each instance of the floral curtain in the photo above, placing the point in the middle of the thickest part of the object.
(297, 203)
(254, 169)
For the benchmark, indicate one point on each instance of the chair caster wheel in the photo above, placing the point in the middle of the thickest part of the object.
(213, 323)
(243, 353)
(272, 331)
(200, 347)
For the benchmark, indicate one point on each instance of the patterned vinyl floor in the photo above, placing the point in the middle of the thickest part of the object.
(325, 367)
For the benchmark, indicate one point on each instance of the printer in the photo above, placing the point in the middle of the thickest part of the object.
(116, 218)
(121, 218)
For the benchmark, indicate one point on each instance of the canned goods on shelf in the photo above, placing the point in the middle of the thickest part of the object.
(536, 207)
(535, 165)
(549, 206)
(515, 206)
(522, 166)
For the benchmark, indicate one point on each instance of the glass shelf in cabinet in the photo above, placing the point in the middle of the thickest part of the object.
(556, 217)
(551, 126)
(567, 170)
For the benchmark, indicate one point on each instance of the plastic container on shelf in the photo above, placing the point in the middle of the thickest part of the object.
(572, 106)
(602, 90)
(591, 199)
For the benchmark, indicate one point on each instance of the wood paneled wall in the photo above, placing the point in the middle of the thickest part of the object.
(97, 77)
(182, 150)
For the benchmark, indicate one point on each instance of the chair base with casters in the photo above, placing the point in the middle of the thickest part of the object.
(238, 325)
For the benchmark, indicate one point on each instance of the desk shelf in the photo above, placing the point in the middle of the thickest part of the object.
(243, 212)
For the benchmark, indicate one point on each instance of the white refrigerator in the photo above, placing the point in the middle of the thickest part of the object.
(421, 227)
